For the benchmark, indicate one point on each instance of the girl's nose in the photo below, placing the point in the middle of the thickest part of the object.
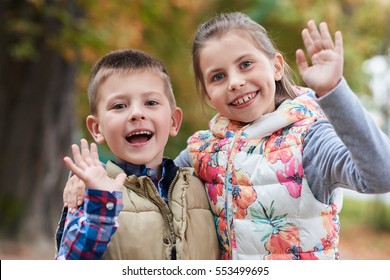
(235, 83)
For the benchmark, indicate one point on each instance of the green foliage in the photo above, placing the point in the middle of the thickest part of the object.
(379, 215)
(12, 212)
(373, 213)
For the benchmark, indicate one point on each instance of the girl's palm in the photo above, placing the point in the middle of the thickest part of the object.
(326, 57)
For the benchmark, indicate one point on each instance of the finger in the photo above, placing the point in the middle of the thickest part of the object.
(120, 178)
(119, 181)
(79, 172)
(95, 154)
(308, 42)
(71, 165)
(326, 38)
(78, 159)
(72, 197)
(301, 61)
(85, 152)
(80, 192)
(67, 189)
(339, 43)
(315, 35)
(69, 192)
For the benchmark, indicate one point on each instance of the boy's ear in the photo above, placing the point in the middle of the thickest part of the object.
(278, 67)
(177, 117)
(94, 128)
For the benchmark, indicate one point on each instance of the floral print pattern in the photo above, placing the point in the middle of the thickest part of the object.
(230, 158)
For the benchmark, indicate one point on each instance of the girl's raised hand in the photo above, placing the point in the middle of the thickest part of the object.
(326, 57)
(88, 168)
(73, 195)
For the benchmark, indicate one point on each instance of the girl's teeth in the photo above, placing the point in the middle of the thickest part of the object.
(244, 99)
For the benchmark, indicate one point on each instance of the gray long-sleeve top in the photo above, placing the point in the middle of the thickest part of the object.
(347, 150)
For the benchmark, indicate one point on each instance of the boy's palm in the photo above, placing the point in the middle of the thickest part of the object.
(326, 58)
(88, 168)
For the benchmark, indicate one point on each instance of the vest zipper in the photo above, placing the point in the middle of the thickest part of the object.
(229, 195)
(163, 213)
(170, 191)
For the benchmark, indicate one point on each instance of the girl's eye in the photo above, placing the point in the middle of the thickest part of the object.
(218, 77)
(246, 64)
(119, 106)
(151, 103)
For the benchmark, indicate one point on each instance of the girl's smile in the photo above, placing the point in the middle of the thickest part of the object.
(240, 81)
(244, 100)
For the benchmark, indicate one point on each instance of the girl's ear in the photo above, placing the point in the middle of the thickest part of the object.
(278, 67)
(177, 117)
(94, 128)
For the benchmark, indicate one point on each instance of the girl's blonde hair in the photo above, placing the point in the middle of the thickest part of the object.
(224, 23)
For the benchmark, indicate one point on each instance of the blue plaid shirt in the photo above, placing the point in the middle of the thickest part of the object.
(86, 233)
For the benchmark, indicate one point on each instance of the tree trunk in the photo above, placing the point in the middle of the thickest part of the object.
(36, 125)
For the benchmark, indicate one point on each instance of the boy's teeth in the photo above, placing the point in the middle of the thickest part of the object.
(140, 132)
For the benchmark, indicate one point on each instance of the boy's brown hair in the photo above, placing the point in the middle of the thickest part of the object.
(124, 62)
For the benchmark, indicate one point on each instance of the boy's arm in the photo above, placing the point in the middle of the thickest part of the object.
(88, 231)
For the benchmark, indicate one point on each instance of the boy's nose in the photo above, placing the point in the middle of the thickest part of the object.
(136, 114)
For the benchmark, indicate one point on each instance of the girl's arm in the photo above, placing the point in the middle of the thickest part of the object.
(348, 150)
(182, 159)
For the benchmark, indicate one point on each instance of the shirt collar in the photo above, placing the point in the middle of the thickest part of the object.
(141, 170)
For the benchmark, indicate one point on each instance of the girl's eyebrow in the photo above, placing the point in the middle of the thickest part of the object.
(212, 71)
(216, 70)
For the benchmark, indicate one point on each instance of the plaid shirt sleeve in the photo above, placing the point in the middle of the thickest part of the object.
(88, 231)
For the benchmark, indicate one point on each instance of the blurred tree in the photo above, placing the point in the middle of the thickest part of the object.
(37, 72)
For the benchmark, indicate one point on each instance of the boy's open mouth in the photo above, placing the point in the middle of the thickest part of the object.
(139, 137)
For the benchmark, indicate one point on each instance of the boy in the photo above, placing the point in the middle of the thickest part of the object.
(165, 212)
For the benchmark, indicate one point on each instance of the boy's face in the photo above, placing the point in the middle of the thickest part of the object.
(134, 117)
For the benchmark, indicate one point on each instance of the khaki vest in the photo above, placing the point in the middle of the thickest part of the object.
(151, 229)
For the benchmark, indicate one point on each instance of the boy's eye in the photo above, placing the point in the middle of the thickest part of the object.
(151, 103)
(119, 106)
(245, 64)
(218, 77)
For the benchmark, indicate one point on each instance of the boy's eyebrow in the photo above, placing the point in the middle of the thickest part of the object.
(144, 93)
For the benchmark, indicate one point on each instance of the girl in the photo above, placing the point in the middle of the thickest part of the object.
(276, 156)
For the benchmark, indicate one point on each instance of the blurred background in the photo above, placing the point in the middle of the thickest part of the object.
(47, 48)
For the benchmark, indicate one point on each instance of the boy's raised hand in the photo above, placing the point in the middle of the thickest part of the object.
(326, 57)
(89, 169)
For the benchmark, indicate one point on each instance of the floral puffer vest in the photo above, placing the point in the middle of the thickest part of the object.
(263, 206)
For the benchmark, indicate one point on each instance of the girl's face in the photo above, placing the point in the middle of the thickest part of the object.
(239, 78)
